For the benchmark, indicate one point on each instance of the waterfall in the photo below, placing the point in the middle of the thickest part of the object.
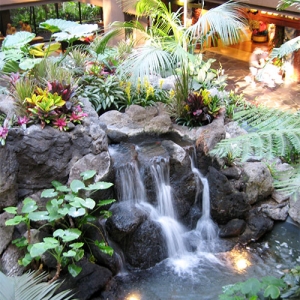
(132, 188)
(131, 185)
(206, 229)
(160, 170)
(173, 230)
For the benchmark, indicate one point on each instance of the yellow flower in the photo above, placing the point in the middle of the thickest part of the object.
(127, 89)
(161, 81)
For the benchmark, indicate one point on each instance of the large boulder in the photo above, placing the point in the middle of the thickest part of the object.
(91, 280)
(294, 210)
(226, 202)
(140, 238)
(258, 181)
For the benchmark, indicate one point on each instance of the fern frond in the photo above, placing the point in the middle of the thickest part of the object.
(292, 182)
(263, 119)
(266, 144)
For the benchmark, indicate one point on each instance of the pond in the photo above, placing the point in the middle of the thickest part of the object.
(201, 275)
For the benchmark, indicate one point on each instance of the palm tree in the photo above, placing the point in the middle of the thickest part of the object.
(167, 42)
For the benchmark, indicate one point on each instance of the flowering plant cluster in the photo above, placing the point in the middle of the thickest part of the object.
(143, 93)
(200, 108)
(53, 106)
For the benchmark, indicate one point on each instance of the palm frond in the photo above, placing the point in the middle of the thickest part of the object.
(283, 4)
(30, 286)
(146, 61)
(227, 20)
(286, 48)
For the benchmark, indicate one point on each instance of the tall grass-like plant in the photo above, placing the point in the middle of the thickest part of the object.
(23, 88)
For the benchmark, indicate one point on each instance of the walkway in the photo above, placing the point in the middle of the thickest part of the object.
(235, 64)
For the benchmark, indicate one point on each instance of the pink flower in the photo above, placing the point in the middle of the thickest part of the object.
(198, 112)
(61, 123)
(23, 120)
(77, 115)
(3, 132)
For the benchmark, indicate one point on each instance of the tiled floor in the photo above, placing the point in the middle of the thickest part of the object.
(235, 62)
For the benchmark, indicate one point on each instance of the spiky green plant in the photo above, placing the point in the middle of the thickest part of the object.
(28, 286)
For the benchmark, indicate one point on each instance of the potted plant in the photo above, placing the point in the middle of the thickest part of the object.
(259, 31)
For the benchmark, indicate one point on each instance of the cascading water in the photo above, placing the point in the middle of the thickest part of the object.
(131, 185)
(206, 229)
(166, 215)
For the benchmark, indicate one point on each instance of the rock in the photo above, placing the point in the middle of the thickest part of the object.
(233, 130)
(91, 280)
(169, 82)
(8, 178)
(146, 246)
(278, 212)
(101, 163)
(257, 226)
(140, 239)
(9, 261)
(6, 232)
(280, 196)
(209, 135)
(159, 125)
(233, 228)
(258, 181)
(125, 219)
(232, 172)
(7, 106)
(226, 202)
(294, 210)
(94, 231)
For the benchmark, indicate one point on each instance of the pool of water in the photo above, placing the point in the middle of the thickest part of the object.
(201, 275)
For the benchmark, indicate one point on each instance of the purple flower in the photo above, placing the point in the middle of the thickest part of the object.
(23, 120)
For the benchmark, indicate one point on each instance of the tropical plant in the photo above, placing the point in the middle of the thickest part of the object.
(291, 45)
(68, 209)
(271, 133)
(142, 93)
(200, 109)
(269, 287)
(31, 285)
(167, 39)
(283, 4)
(103, 93)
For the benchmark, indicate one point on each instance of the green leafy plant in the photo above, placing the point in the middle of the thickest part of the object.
(30, 285)
(103, 93)
(142, 93)
(66, 212)
(270, 287)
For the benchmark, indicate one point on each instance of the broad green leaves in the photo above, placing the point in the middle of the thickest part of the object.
(68, 205)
